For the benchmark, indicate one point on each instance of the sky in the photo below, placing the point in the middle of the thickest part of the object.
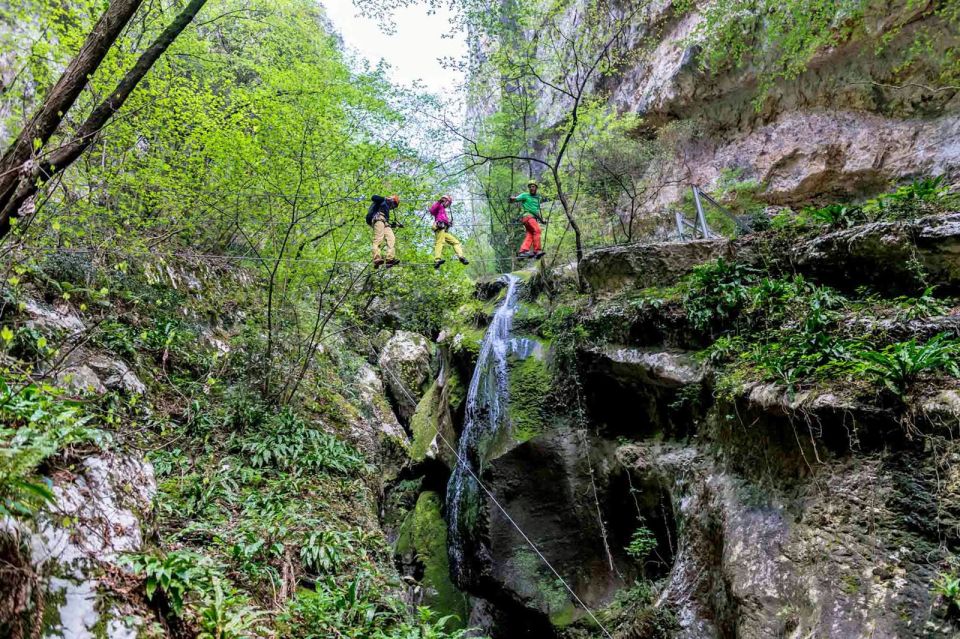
(412, 51)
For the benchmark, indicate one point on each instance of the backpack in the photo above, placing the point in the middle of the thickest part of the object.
(371, 212)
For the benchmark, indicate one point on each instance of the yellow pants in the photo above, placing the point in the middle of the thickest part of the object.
(443, 237)
(383, 232)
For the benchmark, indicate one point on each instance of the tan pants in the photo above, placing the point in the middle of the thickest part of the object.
(383, 232)
(443, 237)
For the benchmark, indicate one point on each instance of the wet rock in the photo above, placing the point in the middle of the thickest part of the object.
(612, 269)
(407, 360)
(422, 548)
(547, 484)
(887, 255)
(489, 287)
(432, 424)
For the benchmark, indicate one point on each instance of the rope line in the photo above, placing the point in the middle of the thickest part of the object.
(242, 258)
(489, 494)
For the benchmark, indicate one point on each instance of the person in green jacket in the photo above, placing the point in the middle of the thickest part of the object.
(530, 218)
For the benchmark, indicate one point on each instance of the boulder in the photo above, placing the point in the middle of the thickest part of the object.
(376, 430)
(81, 378)
(96, 520)
(888, 255)
(609, 270)
(56, 318)
(407, 363)
(116, 375)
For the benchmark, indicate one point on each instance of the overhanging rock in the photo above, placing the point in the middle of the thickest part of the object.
(612, 269)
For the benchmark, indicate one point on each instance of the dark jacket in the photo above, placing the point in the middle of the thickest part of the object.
(380, 205)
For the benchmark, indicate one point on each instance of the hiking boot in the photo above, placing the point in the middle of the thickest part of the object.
(463, 260)
(525, 254)
(437, 263)
(377, 263)
(392, 262)
(539, 254)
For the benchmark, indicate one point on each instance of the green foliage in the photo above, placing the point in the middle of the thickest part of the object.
(642, 542)
(716, 292)
(921, 307)
(175, 575)
(947, 586)
(899, 365)
(357, 610)
(837, 216)
(36, 423)
(923, 196)
(228, 615)
(287, 442)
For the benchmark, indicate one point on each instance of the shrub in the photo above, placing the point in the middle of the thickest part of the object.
(35, 424)
(899, 365)
(838, 216)
(717, 291)
(642, 542)
(286, 442)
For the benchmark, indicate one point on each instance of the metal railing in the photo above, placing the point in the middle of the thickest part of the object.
(698, 228)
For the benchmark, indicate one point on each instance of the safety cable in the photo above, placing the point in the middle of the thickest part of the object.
(489, 494)
(242, 258)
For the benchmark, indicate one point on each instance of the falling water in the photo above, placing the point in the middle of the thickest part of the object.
(487, 400)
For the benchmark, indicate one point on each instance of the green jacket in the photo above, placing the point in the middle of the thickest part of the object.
(531, 204)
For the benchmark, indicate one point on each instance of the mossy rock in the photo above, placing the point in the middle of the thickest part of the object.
(528, 317)
(425, 423)
(531, 578)
(530, 382)
(424, 535)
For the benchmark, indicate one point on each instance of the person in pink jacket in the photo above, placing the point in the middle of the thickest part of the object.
(441, 224)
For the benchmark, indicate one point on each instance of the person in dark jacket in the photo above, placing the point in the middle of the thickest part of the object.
(378, 217)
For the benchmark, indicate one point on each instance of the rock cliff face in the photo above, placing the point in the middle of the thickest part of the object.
(679, 503)
(856, 120)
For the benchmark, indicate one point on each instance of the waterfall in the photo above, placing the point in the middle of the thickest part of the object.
(487, 400)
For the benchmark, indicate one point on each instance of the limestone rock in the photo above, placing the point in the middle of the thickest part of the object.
(116, 375)
(609, 270)
(376, 430)
(650, 366)
(46, 318)
(406, 360)
(81, 378)
(97, 517)
(887, 254)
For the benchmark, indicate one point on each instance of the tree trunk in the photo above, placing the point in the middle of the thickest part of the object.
(61, 158)
(65, 92)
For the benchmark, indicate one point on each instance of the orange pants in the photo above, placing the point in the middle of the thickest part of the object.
(532, 240)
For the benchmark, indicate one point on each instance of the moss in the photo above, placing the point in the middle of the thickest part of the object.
(425, 423)
(530, 383)
(528, 317)
(456, 390)
(466, 341)
(537, 582)
(424, 533)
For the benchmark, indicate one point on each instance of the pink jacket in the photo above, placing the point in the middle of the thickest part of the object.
(439, 213)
